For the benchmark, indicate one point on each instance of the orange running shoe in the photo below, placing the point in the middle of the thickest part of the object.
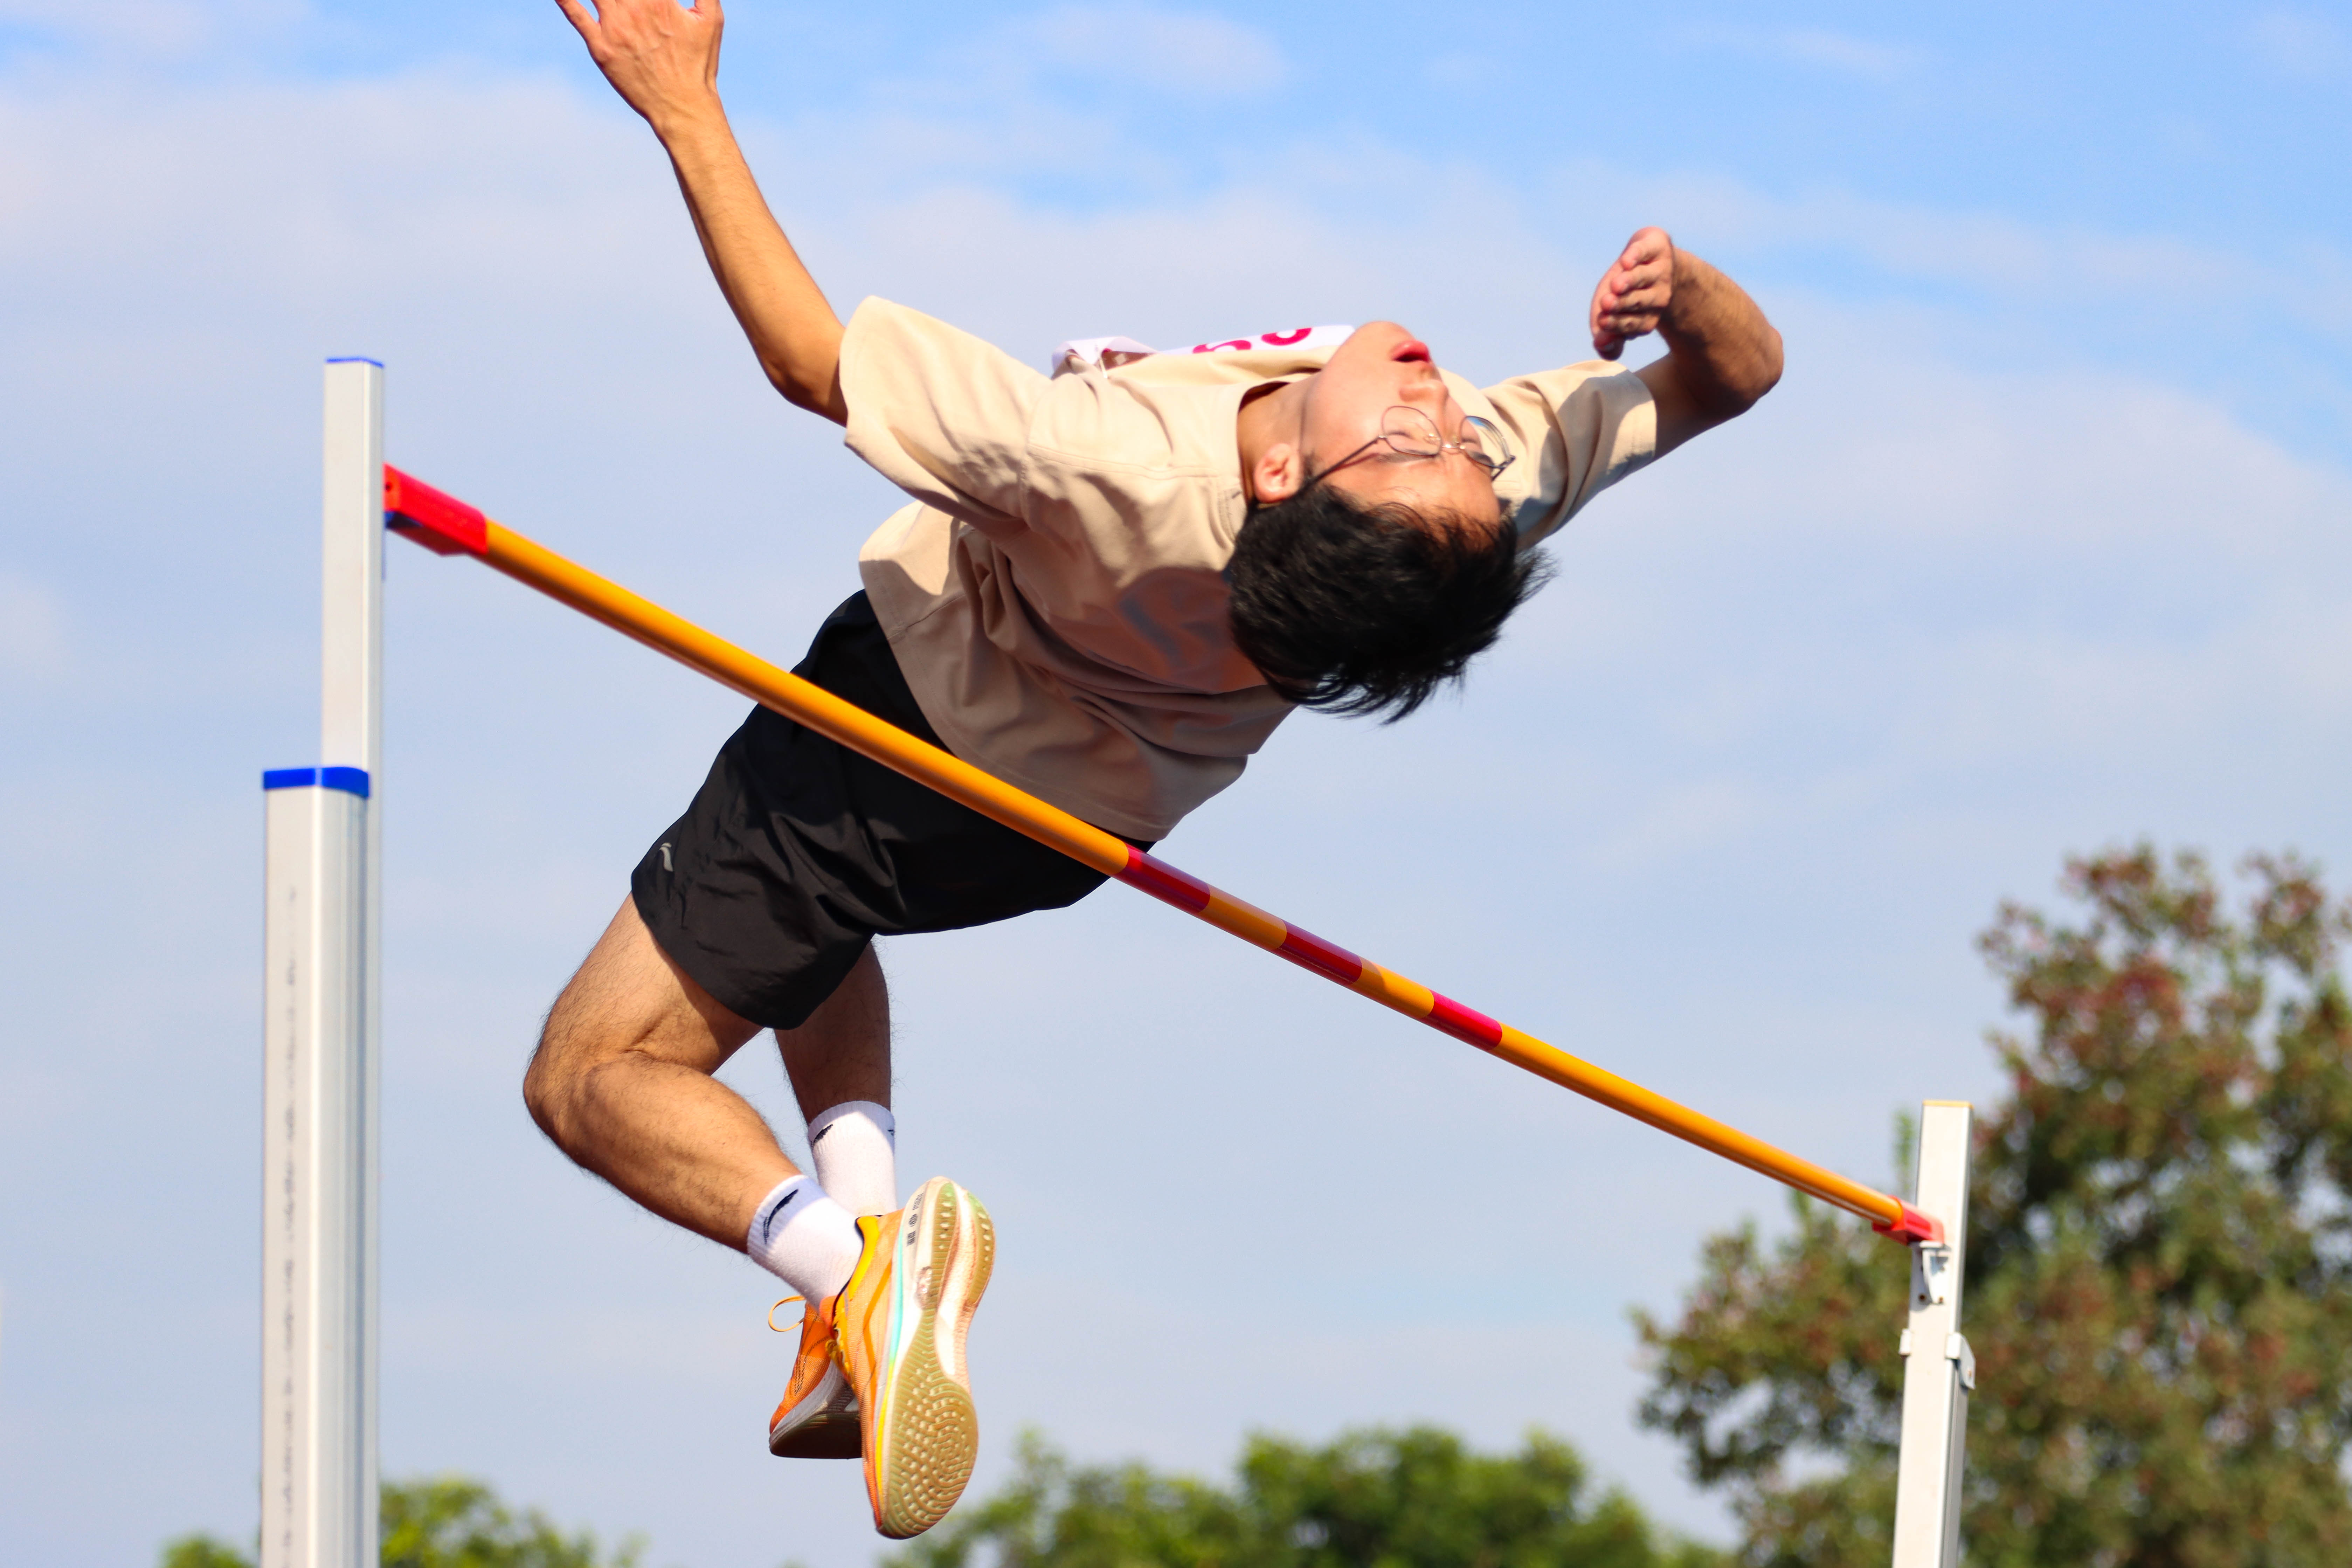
(817, 1418)
(899, 1327)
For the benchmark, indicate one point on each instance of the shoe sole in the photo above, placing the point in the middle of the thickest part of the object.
(928, 1432)
(823, 1425)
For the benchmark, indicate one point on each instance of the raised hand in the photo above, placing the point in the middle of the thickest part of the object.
(663, 59)
(660, 56)
(1634, 293)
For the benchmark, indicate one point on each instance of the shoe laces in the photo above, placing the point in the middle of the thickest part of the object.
(788, 1327)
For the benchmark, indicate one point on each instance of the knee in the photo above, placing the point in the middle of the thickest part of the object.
(627, 1004)
(569, 1048)
(542, 1083)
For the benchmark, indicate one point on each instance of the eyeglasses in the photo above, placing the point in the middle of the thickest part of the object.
(1411, 433)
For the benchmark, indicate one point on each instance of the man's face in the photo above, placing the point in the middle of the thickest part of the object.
(1379, 367)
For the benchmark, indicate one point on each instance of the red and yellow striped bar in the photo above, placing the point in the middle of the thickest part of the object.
(449, 527)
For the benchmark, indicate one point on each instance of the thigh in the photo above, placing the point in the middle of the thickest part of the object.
(629, 996)
(766, 892)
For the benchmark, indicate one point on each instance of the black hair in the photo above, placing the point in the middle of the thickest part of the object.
(1369, 609)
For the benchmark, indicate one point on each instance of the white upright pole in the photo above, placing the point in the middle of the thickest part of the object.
(320, 938)
(1938, 1370)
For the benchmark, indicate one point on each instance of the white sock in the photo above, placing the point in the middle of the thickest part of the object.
(804, 1238)
(856, 1148)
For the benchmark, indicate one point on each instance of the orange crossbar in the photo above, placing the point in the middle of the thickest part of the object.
(450, 527)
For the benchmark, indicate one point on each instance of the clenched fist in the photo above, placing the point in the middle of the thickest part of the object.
(1634, 293)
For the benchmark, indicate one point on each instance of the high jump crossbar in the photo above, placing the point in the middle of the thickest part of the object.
(322, 872)
(449, 526)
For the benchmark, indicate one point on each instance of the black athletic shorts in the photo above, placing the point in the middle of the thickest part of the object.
(797, 851)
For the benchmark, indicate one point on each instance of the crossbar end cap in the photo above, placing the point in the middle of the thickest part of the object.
(435, 519)
(1911, 1228)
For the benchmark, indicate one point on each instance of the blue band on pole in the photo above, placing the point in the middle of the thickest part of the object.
(351, 780)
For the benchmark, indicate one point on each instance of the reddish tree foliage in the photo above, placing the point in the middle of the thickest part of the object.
(2159, 1276)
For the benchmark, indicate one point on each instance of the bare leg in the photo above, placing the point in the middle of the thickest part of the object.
(621, 1081)
(843, 1052)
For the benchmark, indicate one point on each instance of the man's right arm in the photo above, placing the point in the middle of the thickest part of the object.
(664, 62)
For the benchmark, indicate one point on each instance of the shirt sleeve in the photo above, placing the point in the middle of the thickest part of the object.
(938, 413)
(1578, 429)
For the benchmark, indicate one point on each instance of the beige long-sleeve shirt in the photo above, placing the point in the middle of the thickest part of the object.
(1056, 594)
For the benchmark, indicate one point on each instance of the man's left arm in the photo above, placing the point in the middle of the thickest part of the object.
(1721, 354)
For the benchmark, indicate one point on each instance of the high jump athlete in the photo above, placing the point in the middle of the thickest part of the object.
(1111, 584)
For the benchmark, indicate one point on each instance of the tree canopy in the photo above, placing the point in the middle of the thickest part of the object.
(445, 1521)
(1414, 1499)
(2158, 1291)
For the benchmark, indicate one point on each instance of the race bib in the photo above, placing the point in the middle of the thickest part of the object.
(1109, 354)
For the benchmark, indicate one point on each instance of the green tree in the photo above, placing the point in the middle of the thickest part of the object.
(445, 1521)
(1417, 1499)
(2159, 1274)
(203, 1551)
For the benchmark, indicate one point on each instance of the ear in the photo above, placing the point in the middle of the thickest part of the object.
(1277, 474)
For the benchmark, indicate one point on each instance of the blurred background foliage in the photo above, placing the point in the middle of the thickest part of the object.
(1370, 1499)
(445, 1521)
(2157, 1287)
(1375, 1498)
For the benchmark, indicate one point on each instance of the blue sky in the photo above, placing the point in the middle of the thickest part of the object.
(2040, 547)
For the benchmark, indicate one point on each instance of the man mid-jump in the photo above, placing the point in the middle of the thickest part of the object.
(1111, 583)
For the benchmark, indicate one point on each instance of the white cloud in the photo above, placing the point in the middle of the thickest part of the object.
(1818, 47)
(2036, 454)
(32, 629)
(1688, 819)
(1045, 92)
(408, 184)
(2028, 604)
(2069, 286)
(169, 29)
(1907, 626)
(1189, 52)
(2300, 44)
